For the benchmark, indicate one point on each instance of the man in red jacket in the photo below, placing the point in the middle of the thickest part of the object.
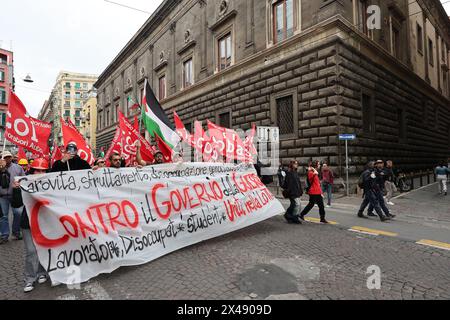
(315, 192)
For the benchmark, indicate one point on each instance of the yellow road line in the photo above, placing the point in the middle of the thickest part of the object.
(315, 220)
(435, 244)
(373, 231)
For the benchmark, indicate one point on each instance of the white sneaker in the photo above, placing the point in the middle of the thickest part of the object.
(391, 203)
(328, 206)
(28, 287)
(42, 279)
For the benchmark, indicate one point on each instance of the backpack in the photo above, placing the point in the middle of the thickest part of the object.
(361, 181)
(307, 185)
(5, 180)
(281, 176)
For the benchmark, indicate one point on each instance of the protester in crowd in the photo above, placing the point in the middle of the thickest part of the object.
(441, 174)
(115, 161)
(158, 155)
(293, 191)
(380, 175)
(99, 164)
(8, 172)
(15, 159)
(327, 183)
(314, 191)
(34, 272)
(389, 185)
(368, 182)
(24, 164)
(70, 161)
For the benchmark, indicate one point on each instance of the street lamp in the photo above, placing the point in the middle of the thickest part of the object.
(28, 79)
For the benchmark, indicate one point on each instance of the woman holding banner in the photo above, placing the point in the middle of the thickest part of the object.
(34, 272)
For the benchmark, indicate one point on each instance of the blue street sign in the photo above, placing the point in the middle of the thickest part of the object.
(347, 137)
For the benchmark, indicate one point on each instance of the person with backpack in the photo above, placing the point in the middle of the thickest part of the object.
(368, 182)
(314, 190)
(293, 191)
(327, 183)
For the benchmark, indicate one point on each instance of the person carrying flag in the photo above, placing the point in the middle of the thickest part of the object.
(70, 161)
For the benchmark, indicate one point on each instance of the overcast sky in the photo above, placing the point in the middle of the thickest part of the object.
(80, 36)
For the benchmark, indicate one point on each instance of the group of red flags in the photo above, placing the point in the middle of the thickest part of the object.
(218, 142)
(32, 134)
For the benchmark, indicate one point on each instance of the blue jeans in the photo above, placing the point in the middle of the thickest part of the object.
(4, 221)
(328, 188)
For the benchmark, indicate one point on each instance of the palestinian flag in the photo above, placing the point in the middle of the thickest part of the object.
(156, 120)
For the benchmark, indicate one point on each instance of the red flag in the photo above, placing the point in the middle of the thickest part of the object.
(249, 145)
(71, 134)
(136, 123)
(24, 130)
(56, 154)
(181, 129)
(129, 136)
(227, 142)
(21, 154)
(164, 148)
(116, 146)
(203, 144)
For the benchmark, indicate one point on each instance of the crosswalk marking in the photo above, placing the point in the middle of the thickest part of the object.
(434, 244)
(373, 231)
(315, 220)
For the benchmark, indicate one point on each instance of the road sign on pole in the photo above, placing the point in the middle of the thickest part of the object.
(347, 138)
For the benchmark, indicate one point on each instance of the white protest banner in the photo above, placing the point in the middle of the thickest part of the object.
(98, 221)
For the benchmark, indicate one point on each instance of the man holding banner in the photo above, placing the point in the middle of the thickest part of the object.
(70, 161)
(8, 171)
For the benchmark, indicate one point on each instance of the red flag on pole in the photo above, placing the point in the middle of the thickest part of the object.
(71, 134)
(129, 136)
(24, 130)
(164, 148)
(227, 142)
(21, 154)
(181, 129)
(56, 154)
(136, 123)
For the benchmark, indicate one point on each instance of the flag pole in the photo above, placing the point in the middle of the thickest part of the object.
(140, 105)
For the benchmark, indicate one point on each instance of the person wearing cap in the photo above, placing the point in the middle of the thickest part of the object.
(158, 155)
(70, 161)
(24, 164)
(34, 272)
(8, 172)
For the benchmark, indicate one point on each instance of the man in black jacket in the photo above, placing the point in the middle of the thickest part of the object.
(371, 187)
(70, 161)
(293, 190)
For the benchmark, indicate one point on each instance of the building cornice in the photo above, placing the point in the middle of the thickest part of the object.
(163, 11)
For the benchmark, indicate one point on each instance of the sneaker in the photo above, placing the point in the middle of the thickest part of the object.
(371, 215)
(391, 203)
(392, 216)
(301, 217)
(384, 219)
(28, 287)
(42, 279)
(362, 216)
(328, 206)
(324, 221)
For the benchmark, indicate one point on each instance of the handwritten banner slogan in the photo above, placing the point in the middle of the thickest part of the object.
(94, 222)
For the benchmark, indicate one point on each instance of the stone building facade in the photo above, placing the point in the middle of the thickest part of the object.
(312, 68)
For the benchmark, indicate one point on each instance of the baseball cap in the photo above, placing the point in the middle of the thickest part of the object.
(6, 154)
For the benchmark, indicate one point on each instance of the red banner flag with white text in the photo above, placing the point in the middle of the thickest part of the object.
(227, 142)
(129, 136)
(24, 130)
(56, 154)
(71, 134)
